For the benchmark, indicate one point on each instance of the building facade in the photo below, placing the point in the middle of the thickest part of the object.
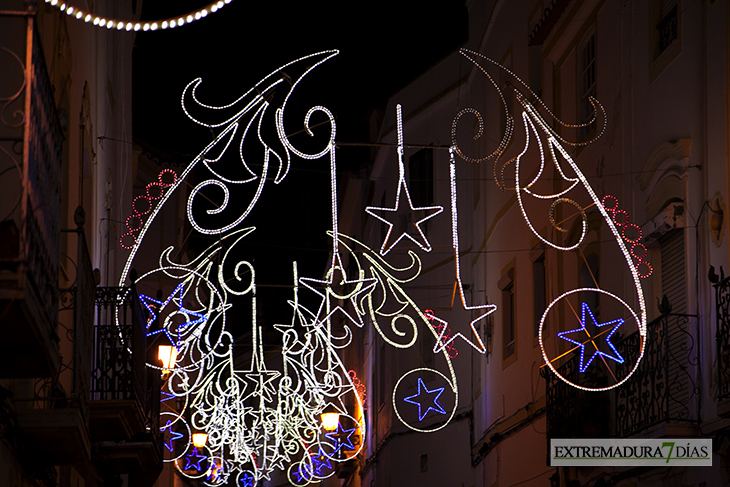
(654, 157)
(77, 409)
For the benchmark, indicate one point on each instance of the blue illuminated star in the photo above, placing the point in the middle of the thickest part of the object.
(436, 406)
(303, 472)
(190, 463)
(174, 435)
(338, 436)
(246, 480)
(155, 307)
(320, 461)
(586, 337)
(165, 396)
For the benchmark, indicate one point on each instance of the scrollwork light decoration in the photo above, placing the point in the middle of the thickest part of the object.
(550, 146)
(257, 419)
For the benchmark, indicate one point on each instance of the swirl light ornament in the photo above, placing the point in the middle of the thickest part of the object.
(127, 25)
(566, 191)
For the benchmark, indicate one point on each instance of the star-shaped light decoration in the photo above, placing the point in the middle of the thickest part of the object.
(166, 396)
(319, 462)
(155, 308)
(303, 472)
(445, 339)
(174, 435)
(388, 215)
(338, 435)
(192, 461)
(326, 309)
(485, 309)
(430, 399)
(261, 378)
(246, 480)
(584, 337)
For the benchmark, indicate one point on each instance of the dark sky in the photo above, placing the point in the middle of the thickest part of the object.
(383, 45)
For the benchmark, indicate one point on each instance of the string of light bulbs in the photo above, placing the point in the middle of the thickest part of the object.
(128, 25)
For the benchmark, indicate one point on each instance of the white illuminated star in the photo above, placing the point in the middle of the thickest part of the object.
(385, 215)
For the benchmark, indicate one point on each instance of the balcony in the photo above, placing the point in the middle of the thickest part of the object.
(55, 418)
(125, 393)
(722, 340)
(30, 209)
(658, 400)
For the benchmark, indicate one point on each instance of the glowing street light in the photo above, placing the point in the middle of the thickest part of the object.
(330, 418)
(167, 354)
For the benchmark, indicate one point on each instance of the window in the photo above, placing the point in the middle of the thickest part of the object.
(507, 286)
(539, 287)
(427, 344)
(667, 25)
(381, 376)
(587, 84)
(420, 184)
(589, 279)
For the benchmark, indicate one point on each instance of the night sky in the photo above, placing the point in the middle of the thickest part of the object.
(383, 45)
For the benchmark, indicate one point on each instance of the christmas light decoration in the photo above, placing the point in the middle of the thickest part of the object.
(154, 191)
(636, 319)
(402, 189)
(258, 419)
(537, 128)
(192, 461)
(341, 437)
(430, 399)
(442, 328)
(434, 404)
(154, 306)
(246, 480)
(360, 387)
(610, 203)
(582, 332)
(125, 25)
(174, 435)
(484, 309)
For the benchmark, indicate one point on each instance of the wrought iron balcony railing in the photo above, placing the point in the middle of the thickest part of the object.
(119, 370)
(722, 337)
(30, 209)
(662, 389)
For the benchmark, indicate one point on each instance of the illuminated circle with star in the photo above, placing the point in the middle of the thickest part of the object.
(592, 341)
(346, 439)
(435, 394)
(176, 434)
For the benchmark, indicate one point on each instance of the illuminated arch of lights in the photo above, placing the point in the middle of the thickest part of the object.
(128, 25)
(259, 419)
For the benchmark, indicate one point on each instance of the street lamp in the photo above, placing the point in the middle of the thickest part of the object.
(200, 439)
(167, 355)
(330, 418)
